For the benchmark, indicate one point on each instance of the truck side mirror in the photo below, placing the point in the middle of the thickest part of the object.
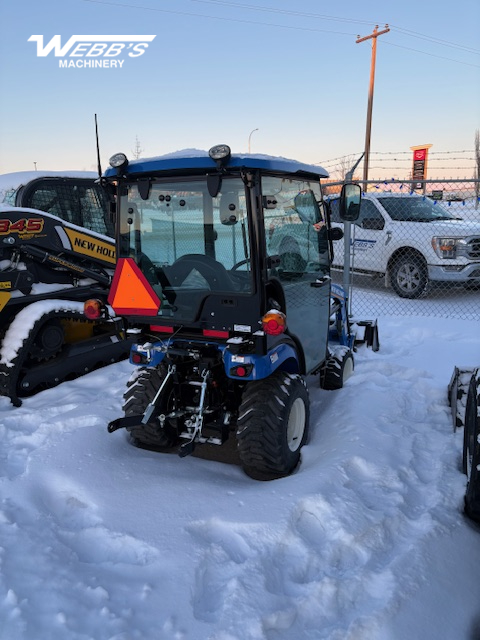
(350, 199)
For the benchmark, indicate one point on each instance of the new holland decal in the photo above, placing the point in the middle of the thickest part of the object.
(91, 246)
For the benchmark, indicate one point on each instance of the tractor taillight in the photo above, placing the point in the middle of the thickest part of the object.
(274, 323)
(212, 333)
(241, 371)
(93, 309)
(160, 328)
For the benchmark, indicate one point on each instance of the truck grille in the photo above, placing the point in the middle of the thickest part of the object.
(473, 248)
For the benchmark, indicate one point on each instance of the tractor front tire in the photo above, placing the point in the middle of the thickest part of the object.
(471, 448)
(272, 425)
(140, 392)
(337, 369)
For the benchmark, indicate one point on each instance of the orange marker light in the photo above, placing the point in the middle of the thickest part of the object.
(274, 323)
(93, 309)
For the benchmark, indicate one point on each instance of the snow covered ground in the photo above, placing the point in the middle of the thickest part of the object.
(366, 541)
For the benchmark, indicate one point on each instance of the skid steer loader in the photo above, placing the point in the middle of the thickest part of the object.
(51, 261)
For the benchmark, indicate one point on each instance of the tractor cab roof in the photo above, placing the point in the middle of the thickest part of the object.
(198, 161)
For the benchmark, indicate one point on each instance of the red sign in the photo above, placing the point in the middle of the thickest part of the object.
(420, 154)
(419, 171)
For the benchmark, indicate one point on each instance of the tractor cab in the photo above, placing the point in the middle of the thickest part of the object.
(224, 268)
(237, 247)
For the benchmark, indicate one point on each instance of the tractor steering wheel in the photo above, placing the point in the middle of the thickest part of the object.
(239, 264)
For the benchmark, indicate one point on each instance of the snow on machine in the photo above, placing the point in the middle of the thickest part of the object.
(229, 321)
(50, 264)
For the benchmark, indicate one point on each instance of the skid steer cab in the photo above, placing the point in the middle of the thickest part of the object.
(224, 273)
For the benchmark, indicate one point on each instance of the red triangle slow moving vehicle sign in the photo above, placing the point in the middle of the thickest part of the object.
(131, 293)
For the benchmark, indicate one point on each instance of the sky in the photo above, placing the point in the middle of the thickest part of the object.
(218, 70)
(367, 540)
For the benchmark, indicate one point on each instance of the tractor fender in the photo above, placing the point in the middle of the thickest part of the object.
(283, 356)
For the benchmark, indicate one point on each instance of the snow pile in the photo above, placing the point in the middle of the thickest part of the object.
(366, 541)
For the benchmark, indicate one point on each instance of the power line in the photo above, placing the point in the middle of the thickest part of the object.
(296, 28)
(432, 55)
(302, 14)
(439, 41)
(201, 15)
(320, 16)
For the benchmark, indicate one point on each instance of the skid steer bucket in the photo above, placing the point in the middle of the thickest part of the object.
(457, 394)
(366, 332)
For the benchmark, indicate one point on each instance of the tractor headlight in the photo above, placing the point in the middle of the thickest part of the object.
(220, 153)
(118, 161)
(446, 247)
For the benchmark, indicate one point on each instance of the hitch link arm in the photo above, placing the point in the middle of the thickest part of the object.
(197, 422)
(151, 406)
(133, 421)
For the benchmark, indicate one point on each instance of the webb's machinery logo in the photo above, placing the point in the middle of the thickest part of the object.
(90, 52)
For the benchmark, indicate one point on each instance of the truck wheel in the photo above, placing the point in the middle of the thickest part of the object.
(273, 425)
(409, 275)
(471, 449)
(337, 369)
(140, 392)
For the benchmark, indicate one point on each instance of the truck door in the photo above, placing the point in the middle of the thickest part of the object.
(368, 237)
(297, 235)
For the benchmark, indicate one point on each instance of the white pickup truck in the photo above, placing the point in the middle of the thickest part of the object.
(411, 240)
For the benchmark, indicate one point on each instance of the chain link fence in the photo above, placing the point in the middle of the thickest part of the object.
(415, 249)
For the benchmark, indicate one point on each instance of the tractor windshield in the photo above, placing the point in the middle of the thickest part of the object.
(186, 243)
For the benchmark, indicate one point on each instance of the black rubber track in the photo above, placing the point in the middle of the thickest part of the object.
(262, 425)
(11, 375)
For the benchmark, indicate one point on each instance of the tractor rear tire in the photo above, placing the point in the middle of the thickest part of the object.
(273, 425)
(140, 392)
(471, 448)
(337, 369)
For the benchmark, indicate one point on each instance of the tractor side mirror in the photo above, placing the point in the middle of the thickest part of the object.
(335, 233)
(350, 199)
(306, 205)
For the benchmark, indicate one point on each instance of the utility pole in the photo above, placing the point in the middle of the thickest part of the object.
(373, 36)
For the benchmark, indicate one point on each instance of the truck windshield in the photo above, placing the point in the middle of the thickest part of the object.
(414, 209)
(187, 244)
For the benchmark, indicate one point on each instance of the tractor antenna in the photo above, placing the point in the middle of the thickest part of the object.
(99, 166)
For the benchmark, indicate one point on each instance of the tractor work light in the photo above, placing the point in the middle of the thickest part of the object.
(93, 309)
(118, 161)
(274, 323)
(220, 153)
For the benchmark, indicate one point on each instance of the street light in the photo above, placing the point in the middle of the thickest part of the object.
(249, 138)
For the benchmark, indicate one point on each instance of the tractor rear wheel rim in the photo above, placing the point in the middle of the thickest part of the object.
(296, 425)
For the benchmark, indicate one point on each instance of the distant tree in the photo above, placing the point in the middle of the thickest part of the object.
(137, 152)
(476, 172)
(343, 166)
